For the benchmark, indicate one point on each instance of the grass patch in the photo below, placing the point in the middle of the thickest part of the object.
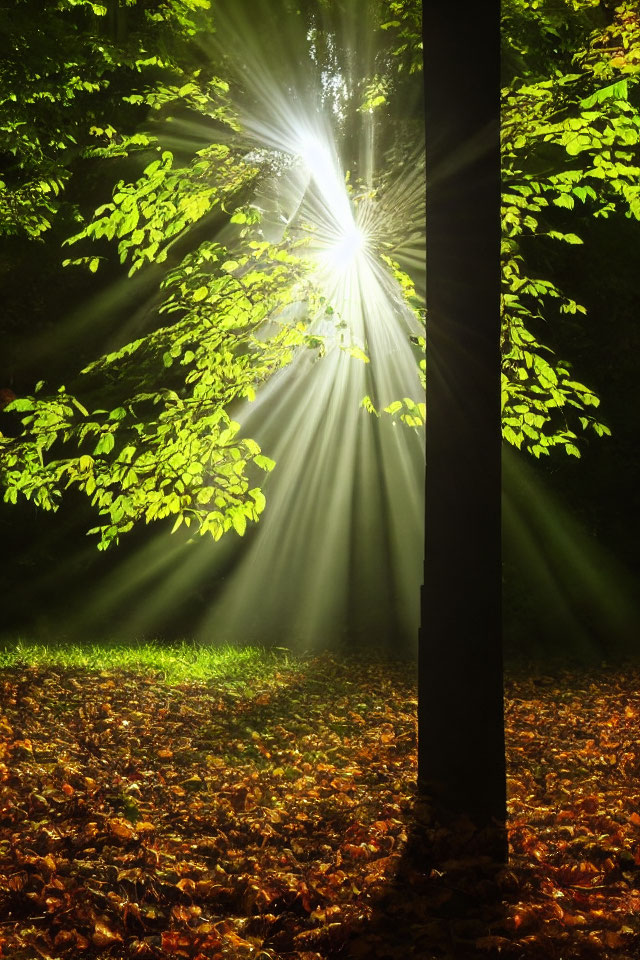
(175, 663)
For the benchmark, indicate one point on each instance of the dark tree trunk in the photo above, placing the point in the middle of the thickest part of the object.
(117, 20)
(461, 726)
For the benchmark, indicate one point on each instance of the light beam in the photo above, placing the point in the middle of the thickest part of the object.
(337, 554)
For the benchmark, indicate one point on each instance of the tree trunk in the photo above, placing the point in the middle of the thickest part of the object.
(117, 21)
(461, 764)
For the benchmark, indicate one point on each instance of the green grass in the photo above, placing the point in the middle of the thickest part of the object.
(177, 663)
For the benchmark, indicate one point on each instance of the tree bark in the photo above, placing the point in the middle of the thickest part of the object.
(461, 763)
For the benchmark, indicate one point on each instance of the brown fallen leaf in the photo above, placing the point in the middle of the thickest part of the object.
(103, 935)
(121, 828)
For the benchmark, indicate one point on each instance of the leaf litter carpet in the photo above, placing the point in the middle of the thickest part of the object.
(202, 821)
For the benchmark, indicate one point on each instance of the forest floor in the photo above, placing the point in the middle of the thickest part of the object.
(269, 812)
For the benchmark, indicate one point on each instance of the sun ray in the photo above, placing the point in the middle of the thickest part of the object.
(338, 551)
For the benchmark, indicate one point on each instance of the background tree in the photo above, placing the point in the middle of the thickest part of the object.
(140, 428)
(144, 456)
(569, 144)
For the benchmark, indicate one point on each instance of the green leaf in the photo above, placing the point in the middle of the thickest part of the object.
(567, 237)
(20, 404)
(200, 293)
(265, 463)
(239, 522)
(358, 354)
(105, 444)
(368, 405)
(259, 498)
(251, 445)
(564, 200)
(614, 91)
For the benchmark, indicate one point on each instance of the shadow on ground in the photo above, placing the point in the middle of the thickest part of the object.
(446, 901)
